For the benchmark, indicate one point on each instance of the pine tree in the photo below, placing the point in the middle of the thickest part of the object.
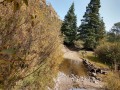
(92, 28)
(69, 26)
(114, 33)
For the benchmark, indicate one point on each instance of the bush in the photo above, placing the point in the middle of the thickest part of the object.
(109, 52)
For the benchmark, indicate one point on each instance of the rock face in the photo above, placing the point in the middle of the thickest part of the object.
(29, 45)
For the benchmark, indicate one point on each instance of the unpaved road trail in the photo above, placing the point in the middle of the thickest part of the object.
(72, 55)
(67, 82)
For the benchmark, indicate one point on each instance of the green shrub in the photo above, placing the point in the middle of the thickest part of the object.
(109, 52)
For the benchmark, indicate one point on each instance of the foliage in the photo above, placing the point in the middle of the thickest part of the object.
(114, 33)
(30, 46)
(109, 53)
(17, 3)
(92, 29)
(69, 26)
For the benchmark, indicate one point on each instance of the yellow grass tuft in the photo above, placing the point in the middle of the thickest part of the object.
(113, 81)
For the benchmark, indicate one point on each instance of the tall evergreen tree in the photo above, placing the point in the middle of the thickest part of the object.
(92, 29)
(69, 26)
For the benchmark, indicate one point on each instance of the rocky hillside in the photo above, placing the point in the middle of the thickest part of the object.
(29, 45)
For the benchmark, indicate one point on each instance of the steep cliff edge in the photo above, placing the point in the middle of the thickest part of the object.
(30, 45)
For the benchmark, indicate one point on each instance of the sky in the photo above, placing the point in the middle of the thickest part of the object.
(109, 10)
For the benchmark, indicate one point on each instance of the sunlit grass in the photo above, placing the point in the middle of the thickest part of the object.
(90, 55)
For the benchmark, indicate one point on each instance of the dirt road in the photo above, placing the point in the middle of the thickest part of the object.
(73, 82)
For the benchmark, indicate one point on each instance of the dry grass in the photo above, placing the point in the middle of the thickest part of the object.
(34, 34)
(112, 81)
(92, 58)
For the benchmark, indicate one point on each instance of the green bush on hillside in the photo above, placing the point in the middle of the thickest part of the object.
(109, 53)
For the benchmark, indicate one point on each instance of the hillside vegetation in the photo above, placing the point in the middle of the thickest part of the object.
(29, 45)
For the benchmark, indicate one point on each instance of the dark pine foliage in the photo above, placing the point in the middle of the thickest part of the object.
(69, 26)
(92, 28)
